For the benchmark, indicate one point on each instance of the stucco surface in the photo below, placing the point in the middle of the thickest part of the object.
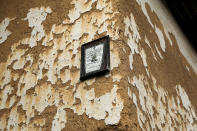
(151, 86)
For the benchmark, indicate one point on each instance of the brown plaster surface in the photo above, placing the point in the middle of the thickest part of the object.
(168, 71)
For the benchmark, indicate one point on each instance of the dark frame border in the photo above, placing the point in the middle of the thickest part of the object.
(105, 65)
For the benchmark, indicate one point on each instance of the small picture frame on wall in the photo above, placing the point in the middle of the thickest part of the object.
(95, 58)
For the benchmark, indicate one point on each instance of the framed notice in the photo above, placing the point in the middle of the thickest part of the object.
(95, 58)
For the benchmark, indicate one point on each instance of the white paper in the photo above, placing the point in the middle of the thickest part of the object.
(93, 58)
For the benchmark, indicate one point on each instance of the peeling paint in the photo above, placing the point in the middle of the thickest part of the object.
(155, 108)
(143, 56)
(80, 8)
(161, 38)
(59, 120)
(12, 121)
(142, 4)
(154, 8)
(100, 105)
(158, 52)
(148, 43)
(114, 59)
(4, 33)
(134, 37)
(35, 18)
(32, 79)
(187, 68)
(60, 67)
(4, 96)
(169, 107)
(171, 27)
(131, 24)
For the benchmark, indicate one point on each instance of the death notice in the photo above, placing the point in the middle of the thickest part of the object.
(93, 58)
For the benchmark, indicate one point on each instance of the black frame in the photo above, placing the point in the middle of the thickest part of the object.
(105, 65)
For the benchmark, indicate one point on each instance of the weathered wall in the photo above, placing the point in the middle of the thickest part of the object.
(152, 83)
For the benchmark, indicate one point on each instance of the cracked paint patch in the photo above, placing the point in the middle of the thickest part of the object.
(4, 33)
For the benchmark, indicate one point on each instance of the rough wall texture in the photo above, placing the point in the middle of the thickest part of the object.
(151, 86)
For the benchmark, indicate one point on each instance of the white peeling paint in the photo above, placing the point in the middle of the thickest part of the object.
(156, 7)
(169, 107)
(80, 8)
(131, 61)
(142, 4)
(133, 37)
(94, 107)
(6, 80)
(100, 4)
(77, 27)
(59, 67)
(114, 59)
(129, 80)
(19, 64)
(29, 81)
(35, 18)
(170, 25)
(143, 56)
(12, 121)
(101, 105)
(184, 98)
(59, 120)
(65, 76)
(129, 93)
(148, 43)
(161, 38)
(131, 24)
(187, 68)
(158, 52)
(4, 96)
(4, 33)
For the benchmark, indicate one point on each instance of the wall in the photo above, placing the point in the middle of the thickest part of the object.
(152, 83)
